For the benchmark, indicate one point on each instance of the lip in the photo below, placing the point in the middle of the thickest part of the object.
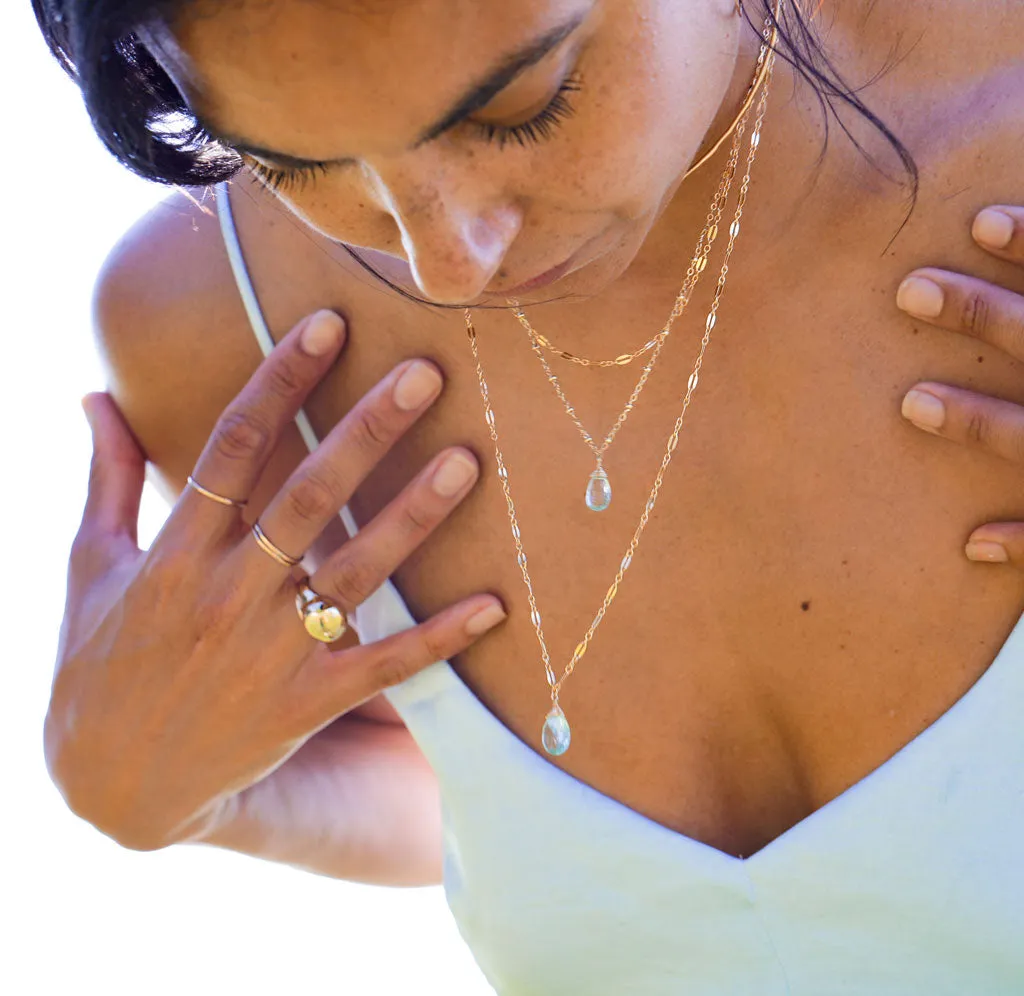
(543, 279)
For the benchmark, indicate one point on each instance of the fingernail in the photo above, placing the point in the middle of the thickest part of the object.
(453, 475)
(920, 296)
(983, 550)
(485, 619)
(322, 333)
(417, 386)
(925, 410)
(993, 228)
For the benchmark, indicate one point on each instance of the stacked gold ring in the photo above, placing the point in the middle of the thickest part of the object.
(324, 621)
(271, 549)
(212, 495)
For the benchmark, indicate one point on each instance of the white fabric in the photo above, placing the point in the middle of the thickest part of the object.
(911, 882)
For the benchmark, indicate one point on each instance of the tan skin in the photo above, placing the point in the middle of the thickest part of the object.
(801, 606)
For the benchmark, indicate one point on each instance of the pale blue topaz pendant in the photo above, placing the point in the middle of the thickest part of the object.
(556, 733)
(599, 490)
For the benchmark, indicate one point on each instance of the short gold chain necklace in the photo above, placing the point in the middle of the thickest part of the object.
(598, 493)
(556, 733)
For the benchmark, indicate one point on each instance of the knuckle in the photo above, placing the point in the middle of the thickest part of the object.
(436, 647)
(371, 430)
(415, 520)
(285, 379)
(351, 582)
(392, 669)
(311, 499)
(84, 550)
(976, 315)
(978, 426)
(241, 436)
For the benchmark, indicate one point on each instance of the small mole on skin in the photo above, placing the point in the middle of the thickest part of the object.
(981, 359)
(805, 606)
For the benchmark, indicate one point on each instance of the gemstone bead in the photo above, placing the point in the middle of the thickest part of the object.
(556, 734)
(599, 491)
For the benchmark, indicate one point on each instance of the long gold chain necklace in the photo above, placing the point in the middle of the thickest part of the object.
(556, 733)
(598, 493)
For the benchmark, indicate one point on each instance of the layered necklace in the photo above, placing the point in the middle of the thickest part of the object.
(598, 494)
(556, 734)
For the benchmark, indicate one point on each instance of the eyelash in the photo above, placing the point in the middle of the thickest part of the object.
(542, 125)
(537, 129)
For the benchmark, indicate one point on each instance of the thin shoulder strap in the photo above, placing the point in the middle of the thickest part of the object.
(250, 301)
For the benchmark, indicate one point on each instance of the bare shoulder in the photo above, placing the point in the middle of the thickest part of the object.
(171, 330)
(176, 340)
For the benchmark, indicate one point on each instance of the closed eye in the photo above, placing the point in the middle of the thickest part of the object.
(536, 129)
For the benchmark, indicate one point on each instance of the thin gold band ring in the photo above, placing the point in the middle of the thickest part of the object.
(271, 549)
(212, 495)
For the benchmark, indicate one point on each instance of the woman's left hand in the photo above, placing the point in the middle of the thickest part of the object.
(994, 315)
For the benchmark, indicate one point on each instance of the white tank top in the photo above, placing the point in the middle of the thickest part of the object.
(910, 882)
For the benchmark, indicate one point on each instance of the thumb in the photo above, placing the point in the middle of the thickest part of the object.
(117, 473)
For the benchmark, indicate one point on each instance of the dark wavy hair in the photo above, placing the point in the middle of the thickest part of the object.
(145, 121)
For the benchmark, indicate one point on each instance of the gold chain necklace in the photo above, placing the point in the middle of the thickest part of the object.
(556, 734)
(769, 35)
(598, 493)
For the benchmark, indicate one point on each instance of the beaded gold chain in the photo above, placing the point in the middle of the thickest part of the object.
(556, 733)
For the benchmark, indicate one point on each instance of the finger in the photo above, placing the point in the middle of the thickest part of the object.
(326, 479)
(967, 417)
(330, 684)
(359, 568)
(1000, 230)
(246, 433)
(997, 543)
(965, 304)
(117, 473)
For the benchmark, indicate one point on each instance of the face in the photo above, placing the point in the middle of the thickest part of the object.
(480, 145)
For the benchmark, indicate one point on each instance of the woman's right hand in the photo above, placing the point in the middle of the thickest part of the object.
(184, 673)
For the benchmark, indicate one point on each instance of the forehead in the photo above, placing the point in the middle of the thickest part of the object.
(340, 76)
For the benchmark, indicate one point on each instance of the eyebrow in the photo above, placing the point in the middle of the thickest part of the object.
(477, 96)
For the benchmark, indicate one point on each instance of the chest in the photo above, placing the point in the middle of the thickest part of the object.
(798, 607)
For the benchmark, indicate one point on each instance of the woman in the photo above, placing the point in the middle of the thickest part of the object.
(795, 759)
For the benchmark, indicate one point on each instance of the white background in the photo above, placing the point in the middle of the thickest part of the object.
(80, 912)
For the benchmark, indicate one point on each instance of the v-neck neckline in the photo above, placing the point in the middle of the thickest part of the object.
(986, 682)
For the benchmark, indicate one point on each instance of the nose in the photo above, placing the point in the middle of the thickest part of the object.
(454, 237)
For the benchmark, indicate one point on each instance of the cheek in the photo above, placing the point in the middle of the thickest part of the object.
(342, 208)
(653, 83)
(623, 154)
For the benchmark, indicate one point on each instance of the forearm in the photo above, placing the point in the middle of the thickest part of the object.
(358, 801)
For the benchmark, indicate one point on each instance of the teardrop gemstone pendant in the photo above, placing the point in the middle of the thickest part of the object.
(599, 491)
(556, 734)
